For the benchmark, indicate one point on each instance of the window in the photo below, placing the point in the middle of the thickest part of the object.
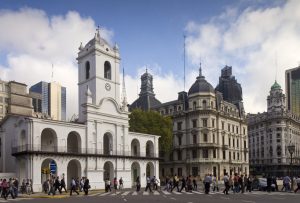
(107, 70)
(205, 137)
(214, 138)
(212, 104)
(194, 138)
(224, 154)
(244, 131)
(179, 140)
(179, 170)
(214, 153)
(194, 171)
(205, 153)
(1, 99)
(237, 143)
(194, 154)
(223, 140)
(87, 70)
(163, 172)
(229, 155)
(245, 144)
(204, 121)
(172, 171)
(237, 130)
(179, 155)
(194, 105)
(213, 123)
(229, 141)
(179, 125)
(233, 142)
(222, 125)
(233, 155)
(238, 156)
(228, 127)
(204, 104)
(194, 123)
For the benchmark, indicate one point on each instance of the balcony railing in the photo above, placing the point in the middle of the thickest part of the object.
(40, 149)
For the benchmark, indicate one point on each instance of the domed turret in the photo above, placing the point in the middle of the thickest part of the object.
(275, 86)
(201, 85)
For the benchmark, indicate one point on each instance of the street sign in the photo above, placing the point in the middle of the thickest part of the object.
(53, 167)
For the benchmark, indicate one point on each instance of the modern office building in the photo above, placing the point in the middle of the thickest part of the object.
(146, 98)
(292, 86)
(271, 134)
(53, 101)
(209, 133)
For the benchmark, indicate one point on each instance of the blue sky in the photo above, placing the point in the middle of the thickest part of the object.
(251, 36)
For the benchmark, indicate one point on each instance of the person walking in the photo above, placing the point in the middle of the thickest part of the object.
(241, 184)
(121, 184)
(207, 182)
(46, 186)
(138, 184)
(16, 187)
(51, 186)
(195, 186)
(298, 184)
(226, 184)
(57, 185)
(189, 184)
(73, 187)
(183, 184)
(175, 183)
(115, 182)
(148, 186)
(10, 189)
(63, 184)
(269, 183)
(249, 183)
(4, 186)
(86, 186)
(236, 183)
(155, 183)
(286, 183)
(215, 184)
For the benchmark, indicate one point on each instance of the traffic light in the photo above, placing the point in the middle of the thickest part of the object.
(45, 171)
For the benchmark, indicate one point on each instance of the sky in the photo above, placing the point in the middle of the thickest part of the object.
(258, 38)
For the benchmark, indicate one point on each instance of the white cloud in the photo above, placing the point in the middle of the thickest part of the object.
(31, 41)
(251, 41)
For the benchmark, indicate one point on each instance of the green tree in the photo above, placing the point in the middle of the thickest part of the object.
(151, 122)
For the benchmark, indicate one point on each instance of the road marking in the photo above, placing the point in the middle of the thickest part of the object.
(125, 200)
(200, 193)
(173, 198)
(189, 193)
(177, 193)
(156, 193)
(96, 194)
(116, 193)
(134, 193)
(166, 192)
(125, 193)
(104, 194)
(145, 193)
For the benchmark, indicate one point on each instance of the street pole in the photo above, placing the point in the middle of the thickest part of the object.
(292, 172)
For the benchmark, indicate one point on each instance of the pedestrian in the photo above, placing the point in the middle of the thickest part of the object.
(241, 183)
(183, 184)
(138, 184)
(121, 183)
(274, 181)
(10, 189)
(286, 183)
(269, 183)
(207, 182)
(79, 184)
(86, 186)
(155, 183)
(0, 188)
(236, 186)
(189, 184)
(63, 184)
(115, 182)
(46, 186)
(215, 183)
(4, 186)
(226, 183)
(298, 184)
(57, 185)
(195, 186)
(167, 186)
(175, 183)
(249, 183)
(148, 184)
(16, 187)
(51, 186)
(73, 186)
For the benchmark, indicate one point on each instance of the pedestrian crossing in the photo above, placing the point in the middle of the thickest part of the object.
(14, 200)
(164, 192)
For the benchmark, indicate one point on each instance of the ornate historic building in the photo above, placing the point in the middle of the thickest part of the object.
(146, 98)
(270, 135)
(210, 134)
(97, 145)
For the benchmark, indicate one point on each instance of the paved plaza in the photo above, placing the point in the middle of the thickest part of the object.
(164, 196)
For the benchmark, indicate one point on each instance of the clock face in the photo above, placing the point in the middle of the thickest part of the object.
(107, 86)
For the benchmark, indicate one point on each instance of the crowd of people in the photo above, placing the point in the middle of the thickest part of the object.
(10, 187)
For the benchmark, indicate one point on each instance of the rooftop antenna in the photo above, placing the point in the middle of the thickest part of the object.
(52, 74)
(276, 65)
(124, 96)
(184, 62)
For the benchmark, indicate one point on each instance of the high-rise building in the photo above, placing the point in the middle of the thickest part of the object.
(53, 99)
(146, 98)
(270, 135)
(292, 85)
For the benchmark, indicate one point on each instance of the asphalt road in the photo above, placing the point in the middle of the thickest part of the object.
(160, 196)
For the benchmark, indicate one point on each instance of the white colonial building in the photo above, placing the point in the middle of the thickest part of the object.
(98, 145)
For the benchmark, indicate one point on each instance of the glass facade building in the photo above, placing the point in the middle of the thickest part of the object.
(292, 85)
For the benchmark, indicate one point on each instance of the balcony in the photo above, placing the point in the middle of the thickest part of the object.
(67, 151)
(203, 160)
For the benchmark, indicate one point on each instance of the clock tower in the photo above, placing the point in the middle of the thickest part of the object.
(276, 99)
(98, 73)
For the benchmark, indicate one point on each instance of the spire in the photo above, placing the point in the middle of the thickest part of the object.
(124, 96)
(200, 70)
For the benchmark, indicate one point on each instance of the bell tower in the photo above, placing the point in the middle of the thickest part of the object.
(98, 73)
(276, 99)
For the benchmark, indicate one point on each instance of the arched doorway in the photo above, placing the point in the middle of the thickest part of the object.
(108, 171)
(135, 172)
(150, 169)
(74, 142)
(149, 149)
(48, 140)
(135, 148)
(73, 171)
(107, 144)
(48, 168)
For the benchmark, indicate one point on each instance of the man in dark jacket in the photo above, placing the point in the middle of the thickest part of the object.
(269, 183)
(63, 184)
(57, 185)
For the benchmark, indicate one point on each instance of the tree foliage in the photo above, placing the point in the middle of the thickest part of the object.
(151, 122)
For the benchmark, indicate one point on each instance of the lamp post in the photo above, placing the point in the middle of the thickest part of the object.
(291, 149)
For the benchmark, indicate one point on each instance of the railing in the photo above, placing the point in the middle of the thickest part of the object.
(78, 151)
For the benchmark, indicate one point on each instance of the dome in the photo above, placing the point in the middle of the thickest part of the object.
(276, 86)
(201, 85)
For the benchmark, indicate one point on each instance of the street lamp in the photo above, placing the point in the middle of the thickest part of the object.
(291, 149)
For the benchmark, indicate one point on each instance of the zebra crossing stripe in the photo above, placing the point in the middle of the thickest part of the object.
(145, 193)
(189, 193)
(116, 193)
(125, 193)
(96, 194)
(104, 194)
(200, 193)
(134, 193)
(166, 192)
(156, 193)
(177, 193)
